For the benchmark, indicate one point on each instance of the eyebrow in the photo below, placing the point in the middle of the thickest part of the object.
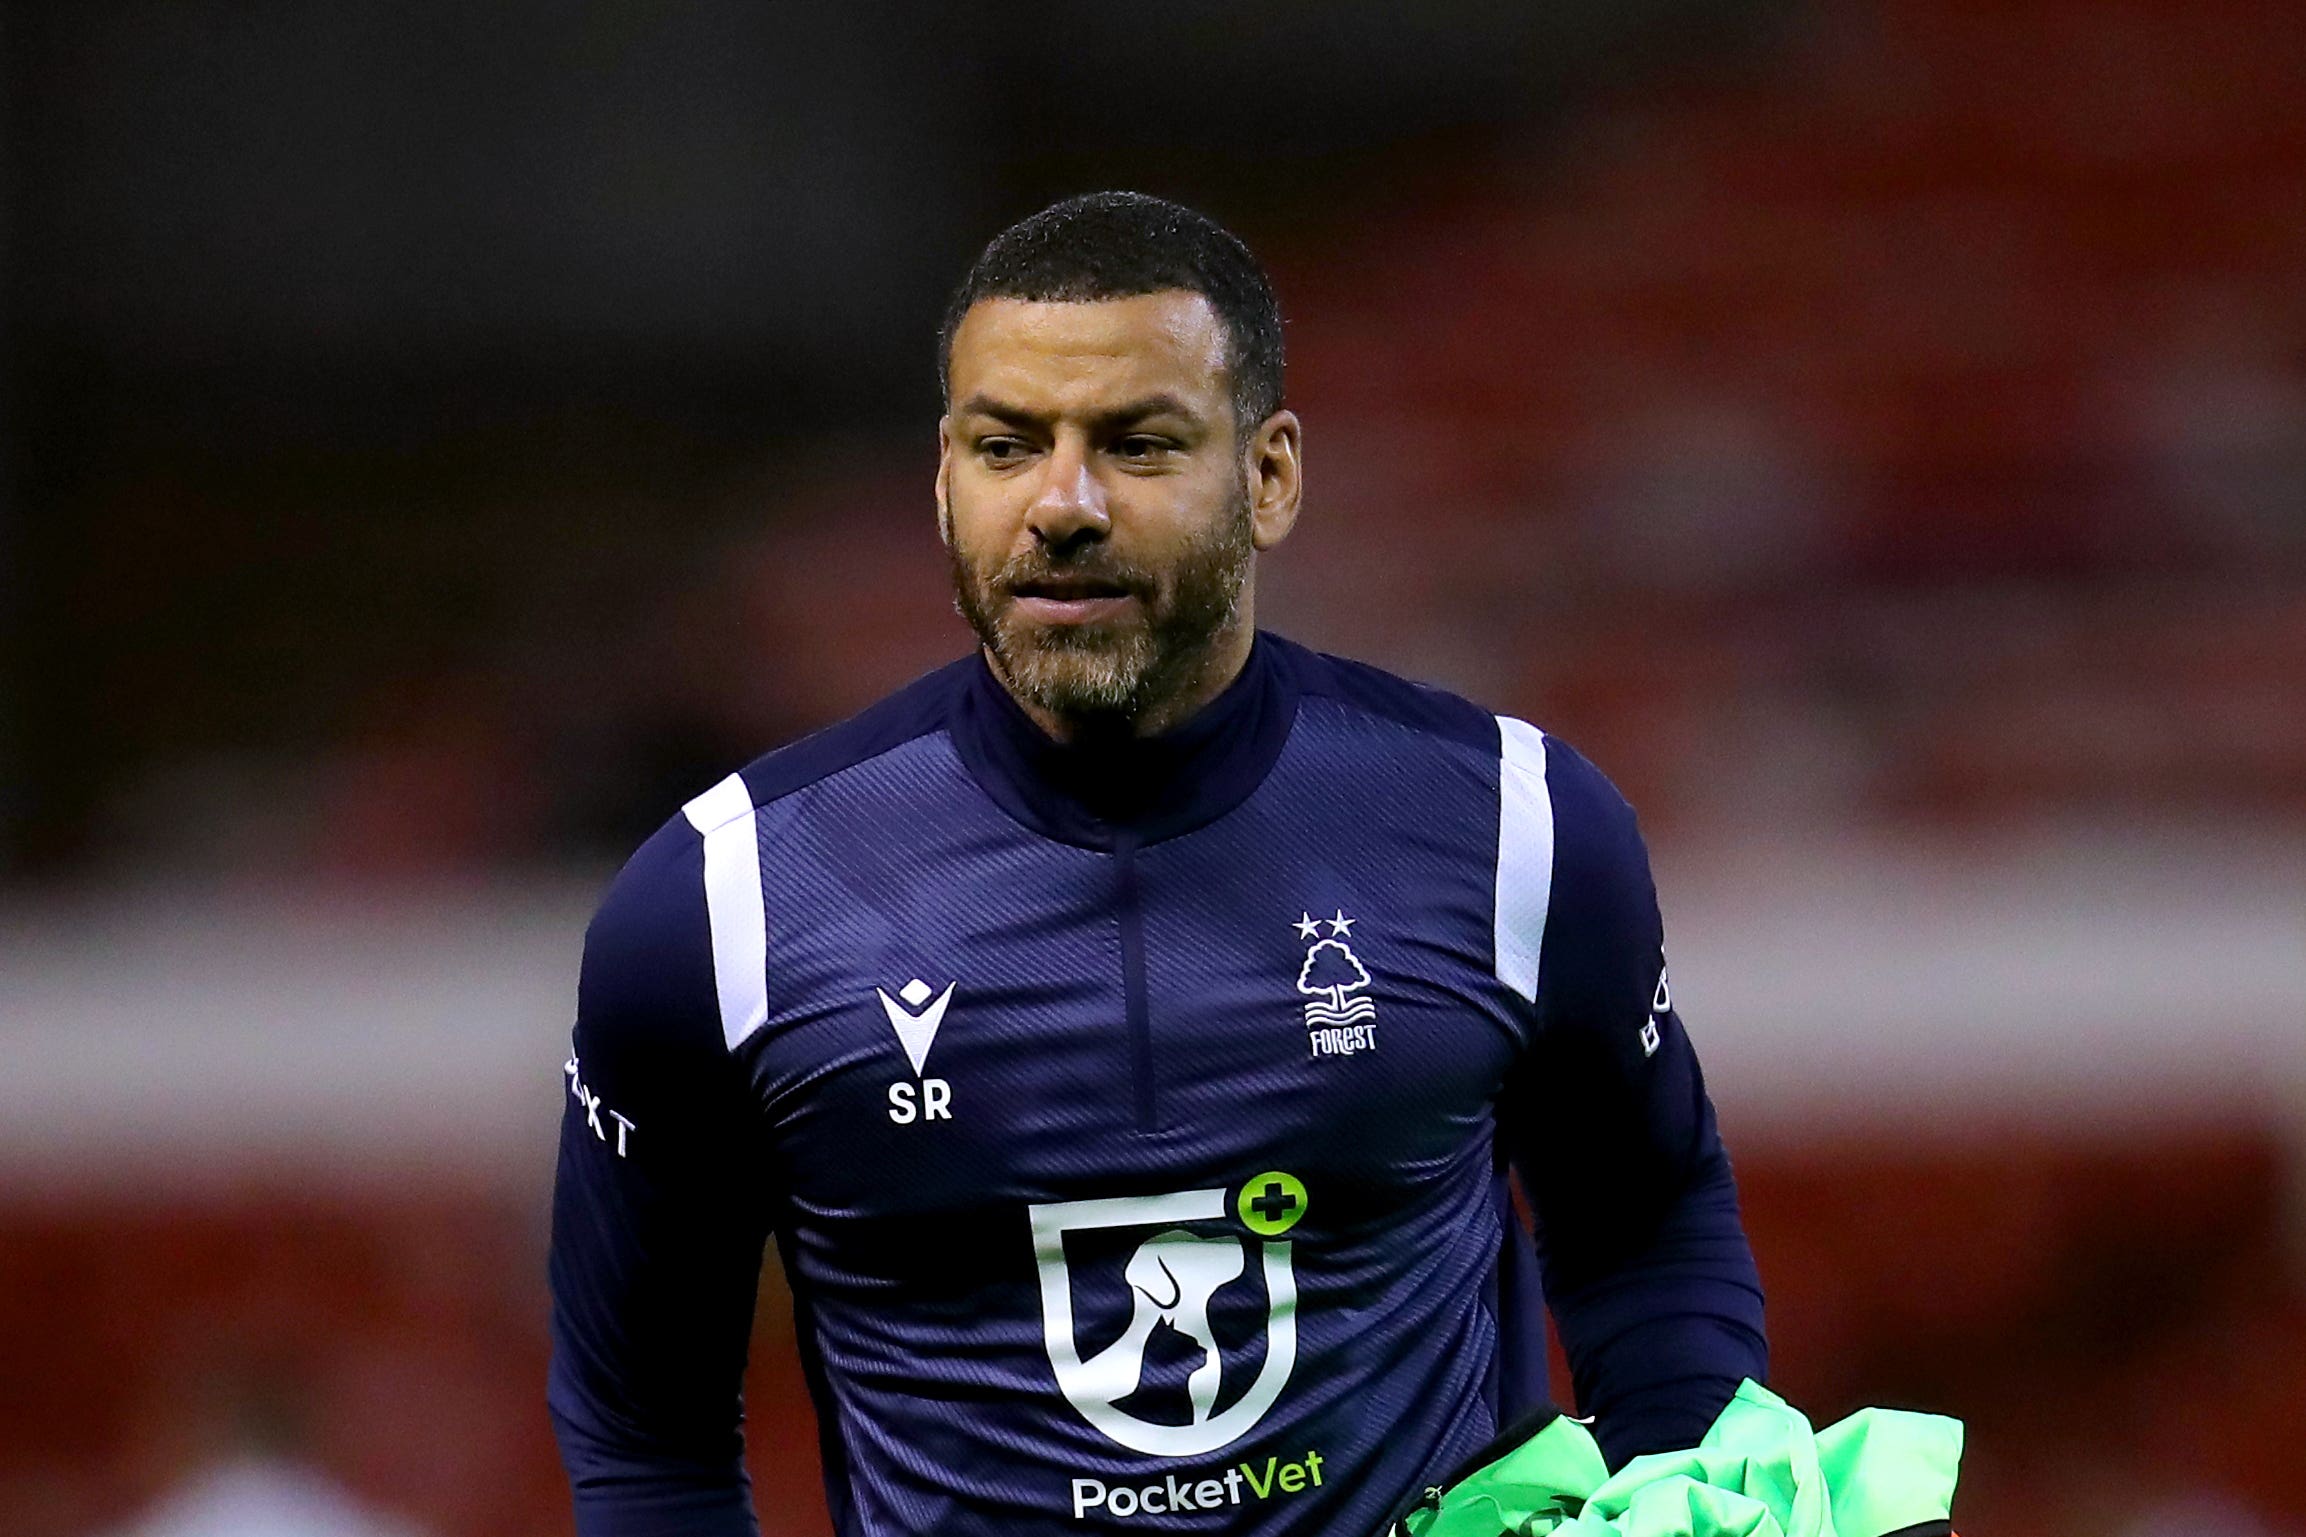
(1159, 404)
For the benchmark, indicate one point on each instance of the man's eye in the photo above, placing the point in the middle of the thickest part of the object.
(1001, 450)
(1140, 445)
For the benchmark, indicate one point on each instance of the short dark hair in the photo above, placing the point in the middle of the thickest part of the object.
(1116, 245)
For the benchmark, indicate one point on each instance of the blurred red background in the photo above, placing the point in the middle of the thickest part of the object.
(1875, 435)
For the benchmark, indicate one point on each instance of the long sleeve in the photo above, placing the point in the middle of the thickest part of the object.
(1645, 1261)
(659, 1221)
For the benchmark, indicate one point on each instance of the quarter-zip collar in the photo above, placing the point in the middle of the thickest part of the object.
(1137, 791)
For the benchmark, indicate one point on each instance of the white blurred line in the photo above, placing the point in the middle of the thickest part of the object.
(1831, 987)
(426, 1032)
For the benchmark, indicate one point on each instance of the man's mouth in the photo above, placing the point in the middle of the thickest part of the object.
(1071, 599)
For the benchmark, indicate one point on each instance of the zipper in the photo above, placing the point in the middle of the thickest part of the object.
(1130, 910)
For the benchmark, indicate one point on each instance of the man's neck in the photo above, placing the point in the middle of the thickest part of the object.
(1195, 681)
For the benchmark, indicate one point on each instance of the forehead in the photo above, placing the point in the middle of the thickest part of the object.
(1059, 355)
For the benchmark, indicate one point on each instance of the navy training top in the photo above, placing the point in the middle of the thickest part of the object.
(1136, 1124)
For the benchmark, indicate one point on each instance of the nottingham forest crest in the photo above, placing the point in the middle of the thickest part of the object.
(1340, 1016)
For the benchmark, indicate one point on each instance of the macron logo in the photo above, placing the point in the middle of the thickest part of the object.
(916, 1031)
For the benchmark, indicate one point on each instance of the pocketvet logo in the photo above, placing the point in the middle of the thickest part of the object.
(1175, 1494)
(916, 1032)
(1173, 1275)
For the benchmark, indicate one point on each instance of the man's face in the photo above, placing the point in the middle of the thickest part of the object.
(1095, 498)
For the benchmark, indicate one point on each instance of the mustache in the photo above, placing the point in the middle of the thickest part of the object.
(1035, 568)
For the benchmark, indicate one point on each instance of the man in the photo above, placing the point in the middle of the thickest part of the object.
(1128, 1033)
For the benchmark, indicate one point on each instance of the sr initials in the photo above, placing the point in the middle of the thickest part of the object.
(933, 1103)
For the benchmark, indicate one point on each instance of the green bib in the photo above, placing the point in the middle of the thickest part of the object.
(1760, 1472)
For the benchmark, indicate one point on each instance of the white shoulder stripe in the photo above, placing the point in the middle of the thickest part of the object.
(733, 903)
(1524, 854)
(720, 805)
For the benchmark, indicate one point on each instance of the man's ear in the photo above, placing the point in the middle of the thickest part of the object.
(944, 480)
(1276, 472)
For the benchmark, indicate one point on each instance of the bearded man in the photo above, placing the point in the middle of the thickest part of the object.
(1132, 1033)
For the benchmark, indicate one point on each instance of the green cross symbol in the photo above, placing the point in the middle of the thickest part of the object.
(1272, 1203)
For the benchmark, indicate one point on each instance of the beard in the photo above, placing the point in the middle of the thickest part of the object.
(1116, 669)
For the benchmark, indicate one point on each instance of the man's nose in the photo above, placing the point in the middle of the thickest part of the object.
(1069, 507)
